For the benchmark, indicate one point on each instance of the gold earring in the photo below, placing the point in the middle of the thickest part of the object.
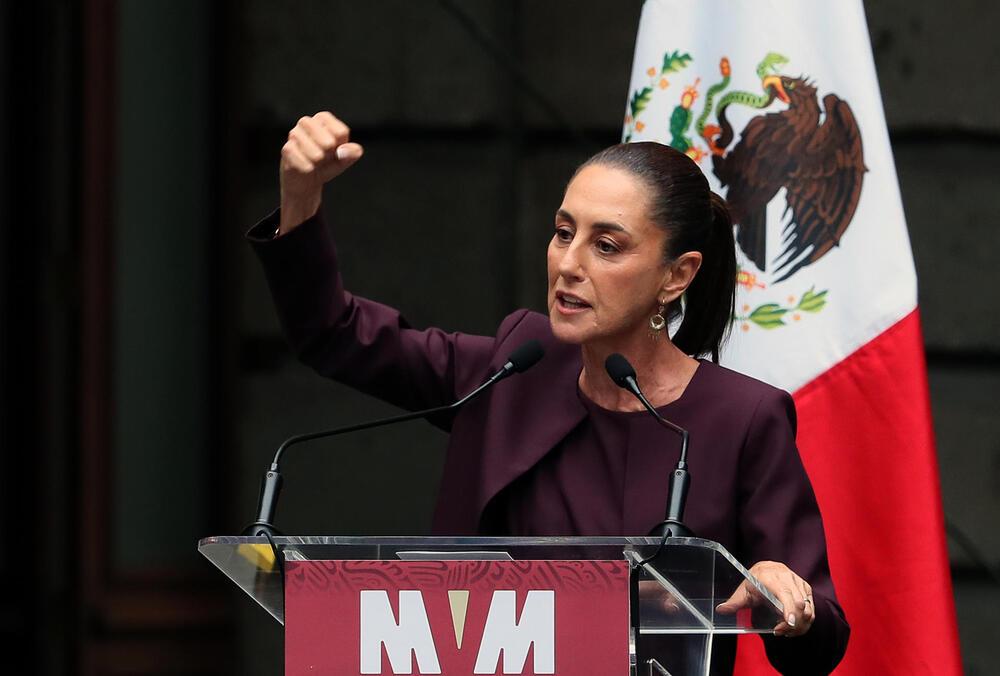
(657, 322)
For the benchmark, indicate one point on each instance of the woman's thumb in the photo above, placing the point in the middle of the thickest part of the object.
(349, 153)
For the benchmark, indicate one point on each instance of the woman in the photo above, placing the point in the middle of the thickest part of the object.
(562, 450)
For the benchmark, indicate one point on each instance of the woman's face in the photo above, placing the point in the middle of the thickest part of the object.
(605, 260)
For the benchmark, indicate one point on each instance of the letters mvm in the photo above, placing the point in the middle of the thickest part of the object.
(503, 634)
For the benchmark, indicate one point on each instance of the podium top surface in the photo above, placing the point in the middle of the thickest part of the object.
(689, 575)
(454, 541)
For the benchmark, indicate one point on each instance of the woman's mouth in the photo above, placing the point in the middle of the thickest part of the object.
(567, 303)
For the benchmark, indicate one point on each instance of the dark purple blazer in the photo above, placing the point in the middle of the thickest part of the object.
(749, 490)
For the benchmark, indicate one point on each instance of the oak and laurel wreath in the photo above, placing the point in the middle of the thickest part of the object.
(771, 315)
(673, 62)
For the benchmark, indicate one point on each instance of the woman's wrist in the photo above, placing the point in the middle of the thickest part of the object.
(295, 212)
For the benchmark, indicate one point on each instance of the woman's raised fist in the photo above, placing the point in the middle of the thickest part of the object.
(318, 150)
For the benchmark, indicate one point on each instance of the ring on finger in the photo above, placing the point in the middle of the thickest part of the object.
(808, 599)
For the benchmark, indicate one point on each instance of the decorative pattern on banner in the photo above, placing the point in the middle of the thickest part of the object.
(570, 576)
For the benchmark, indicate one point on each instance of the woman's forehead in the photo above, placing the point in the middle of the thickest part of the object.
(599, 192)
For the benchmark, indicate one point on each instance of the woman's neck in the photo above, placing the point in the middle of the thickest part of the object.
(662, 370)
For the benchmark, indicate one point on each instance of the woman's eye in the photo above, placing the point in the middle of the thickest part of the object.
(564, 234)
(606, 247)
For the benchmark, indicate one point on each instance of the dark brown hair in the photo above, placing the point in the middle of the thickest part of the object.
(695, 219)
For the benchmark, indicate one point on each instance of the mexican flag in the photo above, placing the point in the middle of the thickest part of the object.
(779, 104)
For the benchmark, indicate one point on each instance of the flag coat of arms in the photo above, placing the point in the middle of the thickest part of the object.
(778, 102)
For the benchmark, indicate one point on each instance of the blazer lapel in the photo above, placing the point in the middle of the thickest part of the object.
(531, 421)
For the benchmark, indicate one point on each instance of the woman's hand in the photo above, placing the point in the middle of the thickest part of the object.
(794, 593)
(318, 150)
(653, 593)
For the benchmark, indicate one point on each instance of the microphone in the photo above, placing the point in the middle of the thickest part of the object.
(519, 361)
(622, 373)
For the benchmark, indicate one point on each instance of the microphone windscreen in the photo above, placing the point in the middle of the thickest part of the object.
(526, 356)
(619, 369)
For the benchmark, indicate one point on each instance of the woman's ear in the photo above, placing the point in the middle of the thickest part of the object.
(680, 275)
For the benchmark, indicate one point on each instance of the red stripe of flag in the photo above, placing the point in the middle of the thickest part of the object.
(866, 438)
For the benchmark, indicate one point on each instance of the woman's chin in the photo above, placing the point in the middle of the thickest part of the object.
(565, 331)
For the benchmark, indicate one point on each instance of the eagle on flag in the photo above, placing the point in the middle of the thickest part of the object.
(820, 165)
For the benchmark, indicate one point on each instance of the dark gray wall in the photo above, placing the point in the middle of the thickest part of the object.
(447, 214)
(161, 303)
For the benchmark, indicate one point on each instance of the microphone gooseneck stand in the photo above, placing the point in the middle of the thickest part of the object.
(622, 373)
(523, 358)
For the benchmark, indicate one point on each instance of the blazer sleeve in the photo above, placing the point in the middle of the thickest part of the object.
(358, 342)
(781, 522)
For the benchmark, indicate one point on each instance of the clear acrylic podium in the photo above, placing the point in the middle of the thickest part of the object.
(677, 591)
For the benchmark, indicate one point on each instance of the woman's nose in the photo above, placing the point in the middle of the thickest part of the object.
(570, 265)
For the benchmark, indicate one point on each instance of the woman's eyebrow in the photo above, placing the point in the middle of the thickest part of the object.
(610, 226)
(600, 225)
(562, 213)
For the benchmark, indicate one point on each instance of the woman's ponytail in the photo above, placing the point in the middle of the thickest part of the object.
(710, 299)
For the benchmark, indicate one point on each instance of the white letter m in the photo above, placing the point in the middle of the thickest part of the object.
(411, 635)
(504, 632)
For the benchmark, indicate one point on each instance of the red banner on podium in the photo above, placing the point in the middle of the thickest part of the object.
(456, 617)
